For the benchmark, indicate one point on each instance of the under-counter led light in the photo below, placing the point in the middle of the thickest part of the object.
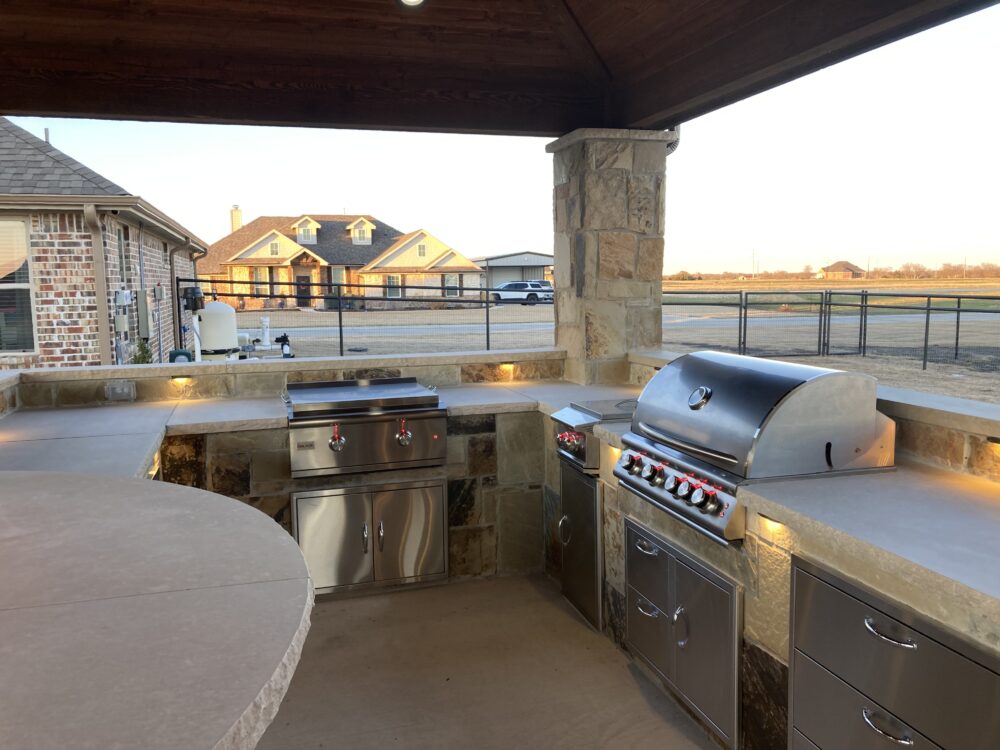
(412, 3)
(993, 440)
(180, 379)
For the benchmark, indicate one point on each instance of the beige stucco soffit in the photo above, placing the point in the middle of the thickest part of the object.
(310, 221)
(375, 265)
(267, 235)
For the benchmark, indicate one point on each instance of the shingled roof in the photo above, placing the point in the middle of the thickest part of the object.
(30, 166)
(842, 266)
(333, 240)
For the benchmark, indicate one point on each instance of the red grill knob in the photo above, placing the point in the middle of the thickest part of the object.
(687, 487)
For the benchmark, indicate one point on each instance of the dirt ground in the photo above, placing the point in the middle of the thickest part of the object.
(949, 380)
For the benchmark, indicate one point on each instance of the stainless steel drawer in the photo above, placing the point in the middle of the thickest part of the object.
(801, 742)
(834, 716)
(648, 632)
(648, 567)
(920, 680)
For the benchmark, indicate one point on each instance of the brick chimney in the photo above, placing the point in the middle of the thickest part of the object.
(235, 218)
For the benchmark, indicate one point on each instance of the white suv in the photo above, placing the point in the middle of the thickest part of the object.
(525, 292)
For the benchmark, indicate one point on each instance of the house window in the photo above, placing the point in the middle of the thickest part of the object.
(261, 280)
(275, 248)
(362, 235)
(306, 235)
(451, 284)
(338, 275)
(422, 251)
(16, 318)
(393, 286)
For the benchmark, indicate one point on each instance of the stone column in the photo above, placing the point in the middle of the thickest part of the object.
(608, 214)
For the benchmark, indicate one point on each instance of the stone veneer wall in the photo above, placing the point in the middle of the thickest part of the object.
(154, 383)
(494, 473)
(948, 448)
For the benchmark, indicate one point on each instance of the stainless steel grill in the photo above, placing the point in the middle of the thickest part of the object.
(364, 425)
(709, 422)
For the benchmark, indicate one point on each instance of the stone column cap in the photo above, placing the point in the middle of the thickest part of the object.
(610, 134)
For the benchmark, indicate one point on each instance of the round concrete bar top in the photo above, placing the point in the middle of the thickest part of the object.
(138, 614)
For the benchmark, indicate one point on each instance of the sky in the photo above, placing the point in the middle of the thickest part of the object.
(888, 158)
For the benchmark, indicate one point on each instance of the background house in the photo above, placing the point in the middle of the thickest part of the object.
(77, 252)
(516, 267)
(292, 256)
(418, 264)
(842, 269)
(296, 259)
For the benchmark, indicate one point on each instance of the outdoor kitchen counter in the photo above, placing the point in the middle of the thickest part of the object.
(924, 537)
(547, 396)
(167, 617)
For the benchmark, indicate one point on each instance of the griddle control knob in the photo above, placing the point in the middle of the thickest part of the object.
(337, 441)
(404, 437)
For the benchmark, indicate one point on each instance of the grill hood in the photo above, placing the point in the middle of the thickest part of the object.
(757, 418)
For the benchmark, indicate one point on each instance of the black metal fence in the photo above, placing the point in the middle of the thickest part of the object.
(931, 328)
(323, 319)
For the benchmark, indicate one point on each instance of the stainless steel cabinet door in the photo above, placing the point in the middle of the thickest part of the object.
(409, 532)
(580, 535)
(335, 533)
(704, 646)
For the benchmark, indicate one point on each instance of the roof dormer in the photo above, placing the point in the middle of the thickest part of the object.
(361, 231)
(305, 230)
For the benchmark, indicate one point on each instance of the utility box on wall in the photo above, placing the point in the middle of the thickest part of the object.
(146, 305)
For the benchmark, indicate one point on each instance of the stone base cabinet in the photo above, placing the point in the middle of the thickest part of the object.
(683, 620)
(365, 536)
(868, 674)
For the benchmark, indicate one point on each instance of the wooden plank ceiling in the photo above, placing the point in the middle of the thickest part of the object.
(526, 67)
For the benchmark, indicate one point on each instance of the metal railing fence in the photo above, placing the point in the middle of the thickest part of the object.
(324, 319)
(931, 328)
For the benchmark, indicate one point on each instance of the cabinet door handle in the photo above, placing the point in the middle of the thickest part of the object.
(654, 613)
(866, 714)
(676, 618)
(907, 644)
(562, 524)
(646, 548)
(364, 537)
(381, 536)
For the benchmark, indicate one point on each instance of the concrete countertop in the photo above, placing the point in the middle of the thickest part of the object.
(926, 537)
(168, 616)
(122, 440)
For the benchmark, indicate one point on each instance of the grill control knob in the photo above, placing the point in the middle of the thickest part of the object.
(637, 465)
(653, 474)
(713, 505)
(687, 487)
(701, 497)
(628, 461)
(670, 482)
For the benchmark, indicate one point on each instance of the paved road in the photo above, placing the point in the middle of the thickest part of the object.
(441, 329)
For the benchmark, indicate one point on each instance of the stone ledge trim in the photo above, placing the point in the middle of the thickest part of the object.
(609, 134)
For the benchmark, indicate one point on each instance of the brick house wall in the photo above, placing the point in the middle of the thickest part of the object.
(64, 289)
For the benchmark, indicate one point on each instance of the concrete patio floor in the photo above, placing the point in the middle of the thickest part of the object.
(503, 663)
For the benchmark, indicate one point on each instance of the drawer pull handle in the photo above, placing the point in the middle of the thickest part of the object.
(866, 714)
(364, 538)
(654, 613)
(646, 548)
(678, 614)
(870, 627)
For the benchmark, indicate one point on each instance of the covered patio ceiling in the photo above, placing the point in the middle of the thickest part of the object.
(518, 67)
